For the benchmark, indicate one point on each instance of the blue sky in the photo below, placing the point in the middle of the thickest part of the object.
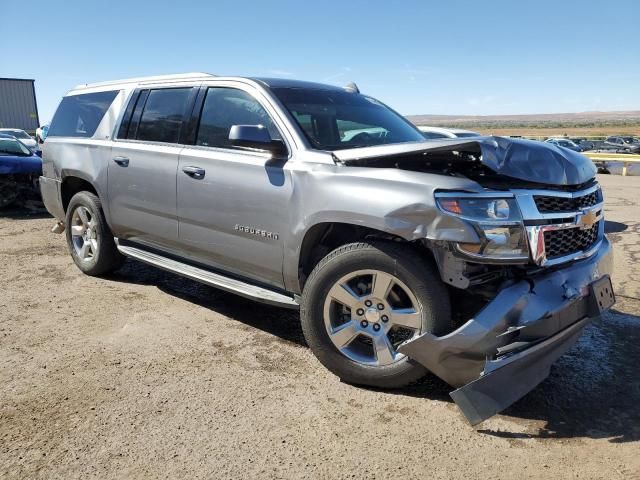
(445, 57)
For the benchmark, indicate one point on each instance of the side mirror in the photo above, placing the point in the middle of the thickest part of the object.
(256, 137)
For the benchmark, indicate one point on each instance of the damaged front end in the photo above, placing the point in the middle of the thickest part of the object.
(539, 272)
(507, 348)
(19, 172)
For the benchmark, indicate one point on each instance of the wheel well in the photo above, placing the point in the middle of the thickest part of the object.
(71, 186)
(326, 237)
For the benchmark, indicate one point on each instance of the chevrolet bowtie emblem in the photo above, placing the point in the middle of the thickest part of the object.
(587, 220)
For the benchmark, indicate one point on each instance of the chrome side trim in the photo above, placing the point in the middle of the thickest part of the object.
(232, 285)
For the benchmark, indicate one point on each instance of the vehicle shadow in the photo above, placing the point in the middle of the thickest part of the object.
(593, 390)
(281, 322)
(614, 227)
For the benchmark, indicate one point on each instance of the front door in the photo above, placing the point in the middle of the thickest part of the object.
(232, 203)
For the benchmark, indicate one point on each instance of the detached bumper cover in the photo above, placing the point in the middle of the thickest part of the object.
(508, 348)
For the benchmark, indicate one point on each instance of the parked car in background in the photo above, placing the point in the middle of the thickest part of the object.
(622, 144)
(431, 133)
(21, 135)
(564, 142)
(41, 133)
(583, 143)
(20, 168)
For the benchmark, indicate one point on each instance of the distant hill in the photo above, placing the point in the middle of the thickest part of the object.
(581, 117)
(542, 124)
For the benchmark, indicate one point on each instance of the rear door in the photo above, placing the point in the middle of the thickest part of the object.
(234, 209)
(143, 165)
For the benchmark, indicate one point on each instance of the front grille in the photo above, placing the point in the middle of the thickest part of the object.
(550, 204)
(558, 243)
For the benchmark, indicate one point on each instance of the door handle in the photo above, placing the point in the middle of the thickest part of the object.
(122, 161)
(194, 172)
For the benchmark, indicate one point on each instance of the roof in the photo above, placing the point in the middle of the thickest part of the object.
(152, 79)
(289, 83)
(184, 77)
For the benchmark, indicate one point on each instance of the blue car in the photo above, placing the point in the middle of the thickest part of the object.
(19, 171)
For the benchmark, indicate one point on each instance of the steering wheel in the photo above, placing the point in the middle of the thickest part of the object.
(362, 137)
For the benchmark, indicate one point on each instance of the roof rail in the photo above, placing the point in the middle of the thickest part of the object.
(151, 79)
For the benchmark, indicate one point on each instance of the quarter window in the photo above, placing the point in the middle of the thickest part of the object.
(226, 107)
(80, 115)
(163, 114)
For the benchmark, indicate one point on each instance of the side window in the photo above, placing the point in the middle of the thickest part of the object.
(80, 115)
(225, 107)
(163, 114)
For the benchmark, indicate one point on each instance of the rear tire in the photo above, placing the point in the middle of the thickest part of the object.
(89, 238)
(414, 301)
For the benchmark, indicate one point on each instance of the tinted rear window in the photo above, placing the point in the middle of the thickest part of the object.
(80, 115)
(163, 114)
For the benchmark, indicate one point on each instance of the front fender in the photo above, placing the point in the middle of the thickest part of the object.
(392, 201)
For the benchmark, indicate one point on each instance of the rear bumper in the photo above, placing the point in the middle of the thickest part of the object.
(50, 191)
(508, 348)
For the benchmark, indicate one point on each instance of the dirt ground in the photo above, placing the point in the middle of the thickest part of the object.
(146, 375)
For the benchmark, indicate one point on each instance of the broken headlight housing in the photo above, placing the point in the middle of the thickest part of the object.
(498, 222)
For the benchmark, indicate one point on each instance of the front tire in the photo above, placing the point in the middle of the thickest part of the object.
(362, 301)
(89, 238)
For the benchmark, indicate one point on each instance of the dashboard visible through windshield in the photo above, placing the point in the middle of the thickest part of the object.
(336, 120)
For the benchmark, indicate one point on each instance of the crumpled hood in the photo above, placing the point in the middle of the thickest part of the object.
(526, 160)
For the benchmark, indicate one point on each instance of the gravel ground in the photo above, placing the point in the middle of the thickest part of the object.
(146, 375)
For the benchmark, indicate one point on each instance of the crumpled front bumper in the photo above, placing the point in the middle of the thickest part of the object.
(508, 348)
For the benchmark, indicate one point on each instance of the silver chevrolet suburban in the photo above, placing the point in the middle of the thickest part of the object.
(478, 259)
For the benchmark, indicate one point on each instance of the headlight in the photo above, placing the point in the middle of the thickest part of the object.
(481, 209)
(498, 223)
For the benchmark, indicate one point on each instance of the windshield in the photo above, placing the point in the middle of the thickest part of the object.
(19, 134)
(16, 133)
(10, 146)
(335, 120)
(467, 134)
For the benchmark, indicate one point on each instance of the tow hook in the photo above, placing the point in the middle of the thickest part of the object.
(58, 228)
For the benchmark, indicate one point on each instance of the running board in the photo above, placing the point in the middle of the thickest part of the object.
(232, 285)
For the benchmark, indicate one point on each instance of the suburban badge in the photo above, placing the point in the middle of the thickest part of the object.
(256, 231)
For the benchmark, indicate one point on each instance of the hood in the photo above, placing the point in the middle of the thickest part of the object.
(15, 165)
(527, 160)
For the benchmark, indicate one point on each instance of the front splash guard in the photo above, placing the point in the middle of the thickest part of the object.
(508, 348)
